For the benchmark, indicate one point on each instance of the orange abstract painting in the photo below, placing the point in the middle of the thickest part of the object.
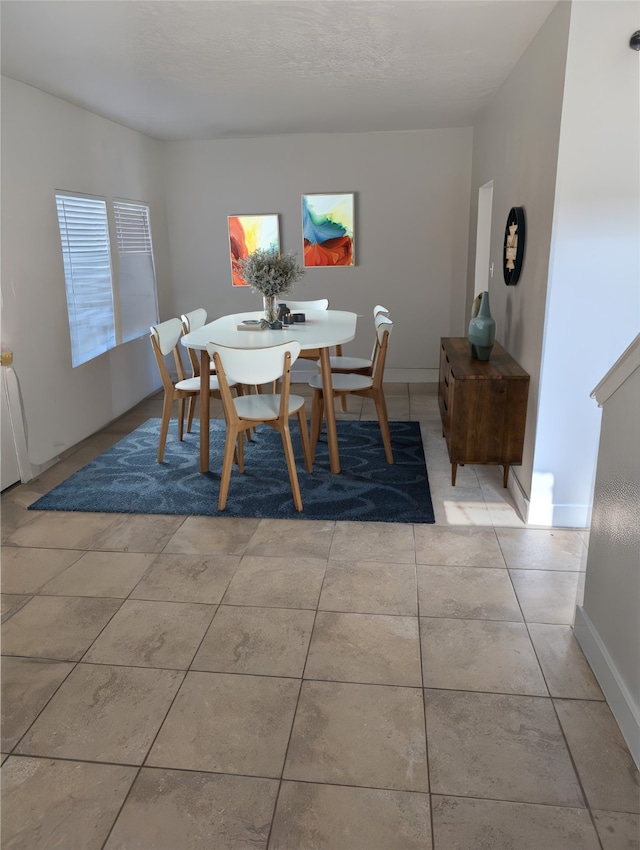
(247, 233)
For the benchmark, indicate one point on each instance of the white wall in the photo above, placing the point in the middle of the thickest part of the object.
(593, 300)
(48, 144)
(412, 210)
(608, 622)
(515, 144)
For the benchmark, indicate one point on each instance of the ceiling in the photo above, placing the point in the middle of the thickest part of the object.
(219, 69)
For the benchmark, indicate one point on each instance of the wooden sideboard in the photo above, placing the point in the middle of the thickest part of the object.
(483, 405)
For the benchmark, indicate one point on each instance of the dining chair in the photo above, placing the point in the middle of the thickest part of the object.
(165, 337)
(362, 365)
(259, 366)
(300, 307)
(191, 322)
(367, 386)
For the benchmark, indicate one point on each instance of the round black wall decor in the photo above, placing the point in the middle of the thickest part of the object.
(513, 254)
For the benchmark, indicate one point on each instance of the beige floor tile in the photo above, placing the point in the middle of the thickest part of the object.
(103, 713)
(478, 593)
(546, 596)
(541, 549)
(618, 830)
(479, 655)
(149, 533)
(260, 641)
(373, 648)
(15, 515)
(61, 627)
(563, 663)
(172, 810)
(373, 541)
(227, 723)
(100, 574)
(278, 582)
(152, 634)
(351, 734)
(60, 804)
(460, 510)
(27, 570)
(328, 817)
(212, 535)
(468, 824)
(297, 538)
(479, 744)
(187, 578)
(370, 587)
(69, 530)
(27, 685)
(10, 603)
(462, 547)
(606, 769)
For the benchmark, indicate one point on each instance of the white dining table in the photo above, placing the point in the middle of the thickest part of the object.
(323, 329)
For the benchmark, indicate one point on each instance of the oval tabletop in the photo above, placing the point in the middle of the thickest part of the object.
(322, 329)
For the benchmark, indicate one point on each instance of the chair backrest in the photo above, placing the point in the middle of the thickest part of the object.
(254, 365)
(383, 332)
(320, 304)
(193, 320)
(378, 321)
(379, 309)
(164, 340)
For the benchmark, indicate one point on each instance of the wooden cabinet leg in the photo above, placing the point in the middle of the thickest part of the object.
(454, 469)
(505, 475)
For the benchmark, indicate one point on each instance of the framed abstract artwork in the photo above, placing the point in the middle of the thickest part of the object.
(327, 229)
(247, 233)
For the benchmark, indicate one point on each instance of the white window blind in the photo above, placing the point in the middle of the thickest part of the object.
(137, 280)
(84, 233)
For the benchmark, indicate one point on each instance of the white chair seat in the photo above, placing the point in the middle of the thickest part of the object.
(265, 406)
(348, 363)
(193, 384)
(343, 383)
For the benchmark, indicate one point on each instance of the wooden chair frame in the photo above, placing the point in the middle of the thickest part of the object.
(273, 409)
(360, 385)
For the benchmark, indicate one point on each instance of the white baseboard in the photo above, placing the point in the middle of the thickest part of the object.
(618, 697)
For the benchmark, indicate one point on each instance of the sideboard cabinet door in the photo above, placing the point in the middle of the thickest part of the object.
(483, 406)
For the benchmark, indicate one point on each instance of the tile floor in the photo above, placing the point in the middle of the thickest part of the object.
(216, 684)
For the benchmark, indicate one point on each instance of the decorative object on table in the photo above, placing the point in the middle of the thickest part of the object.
(247, 233)
(482, 330)
(273, 275)
(514, 234)
(327, 227)
(127, 479)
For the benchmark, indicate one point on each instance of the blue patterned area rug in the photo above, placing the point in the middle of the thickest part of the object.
(127, 479)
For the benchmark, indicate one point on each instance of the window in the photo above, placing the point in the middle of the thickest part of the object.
(137, 286)
(86, 254)
(105, 311)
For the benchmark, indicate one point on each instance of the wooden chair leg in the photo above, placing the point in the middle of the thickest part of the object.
(291, 465)
(164, 426)
(304, 437)
(316, 421)
(383, 421)
(180, 419)
(227, 463)
(191, 409)
(343, 403)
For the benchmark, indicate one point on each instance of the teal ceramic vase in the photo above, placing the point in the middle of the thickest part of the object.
(482, 330)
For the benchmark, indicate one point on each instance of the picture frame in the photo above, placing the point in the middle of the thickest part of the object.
(247, 233)
(328, 230)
